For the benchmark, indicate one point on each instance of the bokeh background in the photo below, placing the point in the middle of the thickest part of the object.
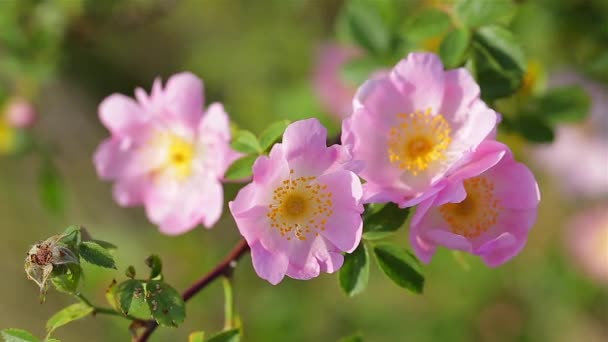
(259, 58)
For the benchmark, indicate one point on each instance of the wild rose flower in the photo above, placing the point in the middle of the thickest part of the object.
(579, 149)
(586, 239)
(303, 207)
(167, 153)
(20, 113)
(414, 126)
(486, 208)
(335, 95)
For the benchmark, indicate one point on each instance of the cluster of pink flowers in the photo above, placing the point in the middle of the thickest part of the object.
(417, 135)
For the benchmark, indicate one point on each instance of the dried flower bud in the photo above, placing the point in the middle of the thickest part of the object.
(43, 256)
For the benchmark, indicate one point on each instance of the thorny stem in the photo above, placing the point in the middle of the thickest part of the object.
(224, 268)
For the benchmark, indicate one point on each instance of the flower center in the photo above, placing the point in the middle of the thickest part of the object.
(300, 207)
(477, 213)
(418, 140)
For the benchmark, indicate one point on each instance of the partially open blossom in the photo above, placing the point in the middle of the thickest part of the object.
(486, 208)
(586, 239)
(335, 95)
(414, 126)
(20, 113)
(167, 153)
(578, 158)
(303, 208)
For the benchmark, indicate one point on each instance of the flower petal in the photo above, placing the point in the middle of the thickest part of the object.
(269, 266)
(120, 114)
(183, 97)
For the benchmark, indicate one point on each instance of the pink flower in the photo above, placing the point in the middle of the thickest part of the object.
(485, 208)
(166, 153)
(303, 207)
(20, 113)
(564, 158)
(586, 239)
(414, 126)
(334, 93)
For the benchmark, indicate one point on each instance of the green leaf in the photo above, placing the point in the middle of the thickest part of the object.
(67, 315)
(51, 188)
(367, 28)
(96, 255)
(233, 335)
(197, 336)
(105, 244)
(165, 303)
(427, 24)
(240, 169)
(131, 296)
(66, 277)
(156, 267)
(359, 70)
(272, 134)
(454, 47)
(18, 335)
(499, 62)
(565, 104)
(476, 13)
(383, 221)
(246, 142)
(533, 128)
(354, 274)
(400, 266)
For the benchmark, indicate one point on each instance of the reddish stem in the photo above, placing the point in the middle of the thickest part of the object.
(225, 267)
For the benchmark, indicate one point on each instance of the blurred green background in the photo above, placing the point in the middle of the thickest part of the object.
(258, 57)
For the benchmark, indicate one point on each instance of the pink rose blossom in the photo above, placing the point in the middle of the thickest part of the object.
(167, 153)
(20, 113)
(303, 207)
(414, 126)
(578, 158)
(587, 242)
(334, 93)
(485, 208)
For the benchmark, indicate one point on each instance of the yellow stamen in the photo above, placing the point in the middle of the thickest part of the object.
(477, 213)
(300, 207)
(418, 140)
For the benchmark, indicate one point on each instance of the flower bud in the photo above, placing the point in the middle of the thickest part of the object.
(20, 113)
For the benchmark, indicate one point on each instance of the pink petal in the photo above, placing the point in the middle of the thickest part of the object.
(183, 97)
(269, 266)
(459, 93)
(448, 239)
(305, 137)
(332, 264)
(500, 250)
(178, 207)
(112, 158)
(382, 102)
(251, 222)
(215, 121)
(423, 249)
(120, 114)
(131, 191)
(422, 76)
(515, 185)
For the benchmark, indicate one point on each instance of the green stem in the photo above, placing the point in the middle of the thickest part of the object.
(228, 302)
(101, 310)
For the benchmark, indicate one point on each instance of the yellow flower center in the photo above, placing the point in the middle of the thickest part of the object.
(181, 154)
(179, 157)
(477, 213)
(8, 138)
(418, 140)
(300, 207)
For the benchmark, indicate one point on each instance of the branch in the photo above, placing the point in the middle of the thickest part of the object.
(225, 267)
